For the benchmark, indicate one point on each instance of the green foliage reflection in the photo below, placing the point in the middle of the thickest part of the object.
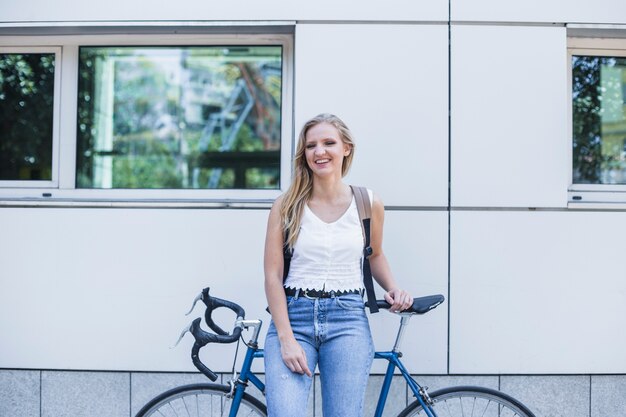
(599, 120)
(26, 115)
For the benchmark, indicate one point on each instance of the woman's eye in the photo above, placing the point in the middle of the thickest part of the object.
(330, 143)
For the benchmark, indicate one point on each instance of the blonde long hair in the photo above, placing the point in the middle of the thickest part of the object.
(302, 186)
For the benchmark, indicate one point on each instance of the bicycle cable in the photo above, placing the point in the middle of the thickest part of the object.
(235, 360)
(233, 382)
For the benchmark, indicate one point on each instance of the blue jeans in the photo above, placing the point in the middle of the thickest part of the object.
(335, 334)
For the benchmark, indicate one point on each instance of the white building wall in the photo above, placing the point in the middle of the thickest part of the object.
(510, 134)
(537, 292)
(245, 10)
(376, 78)
(539, 11)
(107, 289)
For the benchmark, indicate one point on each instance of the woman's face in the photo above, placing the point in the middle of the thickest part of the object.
(324, 150)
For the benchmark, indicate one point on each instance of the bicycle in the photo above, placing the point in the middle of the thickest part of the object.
(210, 399)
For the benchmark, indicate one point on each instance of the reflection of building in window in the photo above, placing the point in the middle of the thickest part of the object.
(149, 114)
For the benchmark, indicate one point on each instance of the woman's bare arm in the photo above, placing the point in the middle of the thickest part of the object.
(292, 353)
(399, 299)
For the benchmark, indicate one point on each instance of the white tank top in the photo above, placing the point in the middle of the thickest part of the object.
(328, 256)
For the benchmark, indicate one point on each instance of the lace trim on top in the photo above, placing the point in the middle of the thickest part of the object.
(331, 286)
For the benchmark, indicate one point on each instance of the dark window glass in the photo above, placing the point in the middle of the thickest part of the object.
(26, 113)
(599, 115)
(179, 117)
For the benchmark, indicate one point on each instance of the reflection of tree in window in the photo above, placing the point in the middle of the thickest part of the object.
(26, 112)
(599, 129)
(175, 117)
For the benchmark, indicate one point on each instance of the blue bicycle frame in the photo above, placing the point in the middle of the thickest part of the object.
(449, 398)
(245, 377)
(393, 357)
(238, 386)
(394, 362)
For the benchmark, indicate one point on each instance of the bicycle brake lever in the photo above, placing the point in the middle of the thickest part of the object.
(182, 334)
(198, 298)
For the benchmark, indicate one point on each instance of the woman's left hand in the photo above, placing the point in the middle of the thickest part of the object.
(399, 299)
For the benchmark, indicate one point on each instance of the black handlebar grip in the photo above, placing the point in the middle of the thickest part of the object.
(213, 303)
(203, 337)
(198, 363)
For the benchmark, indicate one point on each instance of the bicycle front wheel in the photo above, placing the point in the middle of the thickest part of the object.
(470, 402)
(200, 400)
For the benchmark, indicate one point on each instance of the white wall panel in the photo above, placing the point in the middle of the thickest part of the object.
(550, 11)
(118, 10)
(509, 117)
(416, 245)
(537, 292)
(389, 84)
(108, 288)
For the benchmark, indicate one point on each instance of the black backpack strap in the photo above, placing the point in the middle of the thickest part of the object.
(364, 207)
(287, 255)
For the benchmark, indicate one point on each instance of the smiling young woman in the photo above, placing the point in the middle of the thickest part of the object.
(318, 315)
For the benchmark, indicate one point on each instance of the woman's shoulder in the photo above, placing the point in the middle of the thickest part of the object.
(277, 205)
(279, 200)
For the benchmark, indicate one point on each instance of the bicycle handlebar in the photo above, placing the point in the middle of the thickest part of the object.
(420, 305)
(212, 303)
(202, 337)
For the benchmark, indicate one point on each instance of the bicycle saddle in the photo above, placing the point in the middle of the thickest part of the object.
(420, 305)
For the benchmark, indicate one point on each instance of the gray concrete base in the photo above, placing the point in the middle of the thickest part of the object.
(20, 393)
(27, 393)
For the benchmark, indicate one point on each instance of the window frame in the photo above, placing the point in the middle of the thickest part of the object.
(604, 195)
(56, 107)
(63, 189)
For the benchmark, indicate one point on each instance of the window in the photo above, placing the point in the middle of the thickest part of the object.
(179, 117)
(27, 113)
(146, 117)
(599, 101)
(598, 109)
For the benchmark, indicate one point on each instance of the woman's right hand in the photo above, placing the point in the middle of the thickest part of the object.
(294, 356)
